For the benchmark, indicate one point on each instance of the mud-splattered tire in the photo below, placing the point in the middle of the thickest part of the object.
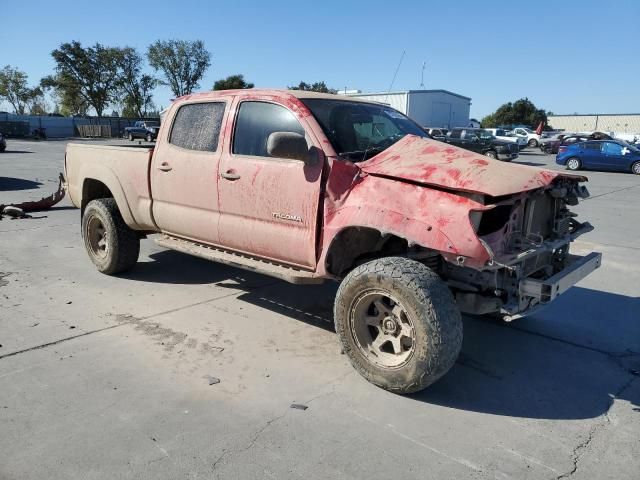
(112, 246)
(409, 301)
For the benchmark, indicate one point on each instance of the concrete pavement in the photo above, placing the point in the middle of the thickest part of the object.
(106, 377)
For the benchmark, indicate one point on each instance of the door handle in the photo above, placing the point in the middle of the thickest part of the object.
(165, 167)
(230, 175)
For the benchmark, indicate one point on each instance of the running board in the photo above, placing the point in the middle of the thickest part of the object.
(215, 254)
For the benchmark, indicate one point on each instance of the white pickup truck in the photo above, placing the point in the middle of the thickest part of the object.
(532, 138)
(502, 134)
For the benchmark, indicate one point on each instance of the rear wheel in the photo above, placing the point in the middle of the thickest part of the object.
(398, 323)
(491, 154)
(573, 163)
(112, 246)
(635, 168)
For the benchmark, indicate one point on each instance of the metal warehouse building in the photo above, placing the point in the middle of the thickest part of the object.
(430, 108)
(619, 123)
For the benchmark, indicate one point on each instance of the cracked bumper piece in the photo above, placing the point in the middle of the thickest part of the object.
(544, 291)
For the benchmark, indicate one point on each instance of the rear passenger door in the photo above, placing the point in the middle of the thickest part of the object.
(614, 156)
(184, 171)
(269, 205)
(591, 156)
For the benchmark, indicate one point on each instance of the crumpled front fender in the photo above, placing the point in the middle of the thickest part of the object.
(428, 217)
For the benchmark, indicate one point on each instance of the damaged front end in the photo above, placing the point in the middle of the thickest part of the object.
(527, 236)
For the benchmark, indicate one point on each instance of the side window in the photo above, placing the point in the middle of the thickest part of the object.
(256, 121)
(612, 148)
(455, 133)
(592, 146)
(197, 126)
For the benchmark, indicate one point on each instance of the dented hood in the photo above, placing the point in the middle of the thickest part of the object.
(431, 162)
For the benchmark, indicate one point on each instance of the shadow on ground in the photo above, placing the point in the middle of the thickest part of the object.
(567, 362)
(18, 151)
(8, 184)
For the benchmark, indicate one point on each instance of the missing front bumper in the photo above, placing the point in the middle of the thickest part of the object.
(544, 291)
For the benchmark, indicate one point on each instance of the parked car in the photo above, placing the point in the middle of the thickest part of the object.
(505, 136)
(307, 187)
(437, 133)
(481, 141)
(142, 129)
(550, 144)
(529, 135)
(3, 143)
(600, 155)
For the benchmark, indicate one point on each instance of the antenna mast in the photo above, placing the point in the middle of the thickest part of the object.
(424, 64)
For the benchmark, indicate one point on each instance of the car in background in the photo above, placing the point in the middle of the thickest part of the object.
(3, 143)
(609, 155)
(481, 141)
(142, 129)
(532, 138)
(437, 133)
(504, 135)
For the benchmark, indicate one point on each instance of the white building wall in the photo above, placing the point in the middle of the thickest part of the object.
(629, 124)
(397, 100)
(430, 108)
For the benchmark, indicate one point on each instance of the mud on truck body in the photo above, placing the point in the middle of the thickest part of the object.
(307, 187)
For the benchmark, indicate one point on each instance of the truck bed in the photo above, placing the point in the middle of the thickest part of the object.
(123, 170)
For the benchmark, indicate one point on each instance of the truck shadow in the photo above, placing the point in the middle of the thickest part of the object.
(569, 361)
(8, 184)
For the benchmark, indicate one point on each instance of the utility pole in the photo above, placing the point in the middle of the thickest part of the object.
(424, 65)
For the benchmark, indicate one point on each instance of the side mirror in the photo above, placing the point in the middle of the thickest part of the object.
(288, 145)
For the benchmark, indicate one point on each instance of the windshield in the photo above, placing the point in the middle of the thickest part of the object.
(359, 131)
(484, 134)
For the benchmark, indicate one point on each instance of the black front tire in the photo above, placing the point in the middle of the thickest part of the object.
(635, 168)
(492, 154)
(430, 307)
(149, 137)
(533, 143)
(130, 137)
(112, 246)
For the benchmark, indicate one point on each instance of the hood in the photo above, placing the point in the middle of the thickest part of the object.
(430, 162)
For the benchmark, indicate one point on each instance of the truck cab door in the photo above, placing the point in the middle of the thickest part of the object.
(269, 205)
(184, 171)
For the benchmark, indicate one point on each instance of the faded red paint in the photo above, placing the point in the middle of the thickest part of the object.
(434, 163)
(391, 192)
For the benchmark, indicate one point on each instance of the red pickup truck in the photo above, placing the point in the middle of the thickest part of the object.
(307, 187)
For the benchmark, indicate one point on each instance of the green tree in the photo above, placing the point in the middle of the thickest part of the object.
(66, 94)
(522, 112)
(314, 87)
(232, 82)
(93, 73)
(182, 63)
(136, 87)
(15, 90)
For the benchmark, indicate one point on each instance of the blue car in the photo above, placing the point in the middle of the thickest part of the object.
(610, 155)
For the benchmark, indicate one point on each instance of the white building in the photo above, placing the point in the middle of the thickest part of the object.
(430, 108)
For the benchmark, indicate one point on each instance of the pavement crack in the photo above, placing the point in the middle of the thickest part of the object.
(580, 450)
(56, 342)
(611, 192)
(250, 445)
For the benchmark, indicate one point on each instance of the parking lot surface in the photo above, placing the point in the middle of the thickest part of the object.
(111, 377)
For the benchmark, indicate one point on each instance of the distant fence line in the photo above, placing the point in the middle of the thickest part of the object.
(60, 127)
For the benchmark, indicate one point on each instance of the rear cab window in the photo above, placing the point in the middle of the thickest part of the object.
(255, 121)
(197, 126)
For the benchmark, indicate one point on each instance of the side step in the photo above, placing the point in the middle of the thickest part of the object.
(215, 254)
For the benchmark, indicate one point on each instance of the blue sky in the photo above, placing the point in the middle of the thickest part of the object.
(566, 57)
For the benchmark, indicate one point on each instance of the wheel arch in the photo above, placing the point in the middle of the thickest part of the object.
(103, 183)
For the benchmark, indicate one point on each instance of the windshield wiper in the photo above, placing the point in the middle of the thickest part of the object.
(362, 153)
